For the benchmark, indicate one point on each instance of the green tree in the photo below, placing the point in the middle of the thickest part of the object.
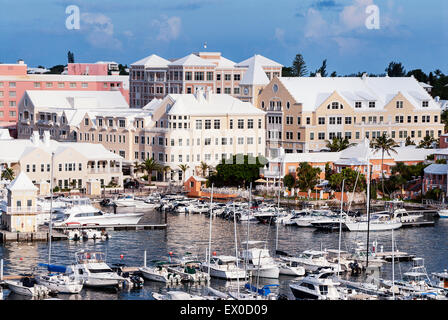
(184, 168)
(287, 72)
(427, 142)
(299, 66)
(338, 144)
(328, 171)
(351, 178)
(409, 142)
(387, 145)
(323, 69)
(204, 167)
(289, 181)
(395, 69)
(70, 57)
(149, 166)
(8, 174)
(307, 176)
(239, 170)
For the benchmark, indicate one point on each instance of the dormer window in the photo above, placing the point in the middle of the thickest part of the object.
(100, 122)
(358, 104)
(371, 104)
(86, 121)
(399, 104)
(425, 103)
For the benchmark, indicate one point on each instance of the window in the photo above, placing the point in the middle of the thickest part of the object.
(198, 124)
(199, 76)
(36, 84)
(231, 124)
(250, 124)
(217, 124)
(207, 141)
(188, 76)
(321, 120)
(218, 77)
(308, 120)
(371, 104)
(358, 104)
(240, 123)
(399, 104)
(227, 77)
(311, 135)
(208, 124)
(348, 120)
(236, 90)
(209, 76)
(240, 140)
(321, 135)
(121, 123)
(227, 90)
(250, 140)
(425, 103)
(298, 120)
(237, 77)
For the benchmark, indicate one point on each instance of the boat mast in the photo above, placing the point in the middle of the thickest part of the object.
(247, 242)
(236, 250)
(51, 209)
(340, 227)
(276, 221)
(369, 176)
(393, 265)
(210, 232)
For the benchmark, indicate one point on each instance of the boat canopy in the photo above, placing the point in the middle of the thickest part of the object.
(263, 291)
(53, 267)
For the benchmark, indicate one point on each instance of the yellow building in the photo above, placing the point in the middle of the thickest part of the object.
(303, 113)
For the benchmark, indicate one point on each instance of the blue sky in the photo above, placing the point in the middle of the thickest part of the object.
(414, 32)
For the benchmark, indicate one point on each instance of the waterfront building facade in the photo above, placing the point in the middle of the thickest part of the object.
(154, 77)
(74, 163)
(304, 113)
(14, 81)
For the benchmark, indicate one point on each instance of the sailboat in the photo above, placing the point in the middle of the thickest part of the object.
(57, 280)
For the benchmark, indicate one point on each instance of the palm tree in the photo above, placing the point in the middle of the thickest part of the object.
(204, 167)
(8, 174)
(427, 142)
(338, 144)
(183, 167)
(149, 166)
(386, 145)
(136, 166)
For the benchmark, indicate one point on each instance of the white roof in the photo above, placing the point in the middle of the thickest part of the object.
(436, 168)
(191, 60)
(22, 182)
(310, 157)
(311, 92)
(14, 150)
(425, 85)
(255, 74)
(152, 61)
(264, 62)
(77, 99)
(216, 105)
(4, 134)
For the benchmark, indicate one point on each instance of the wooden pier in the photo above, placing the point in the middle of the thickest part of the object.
(6, 236)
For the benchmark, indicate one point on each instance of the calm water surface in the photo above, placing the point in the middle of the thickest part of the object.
(190, 233)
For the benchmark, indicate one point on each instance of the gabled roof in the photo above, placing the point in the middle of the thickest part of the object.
(255, 74)
(436, 168)
(263, 61)
(152, 61)
(22, 183)
(191, 60)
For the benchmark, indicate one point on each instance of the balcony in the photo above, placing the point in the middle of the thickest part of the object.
(103, 170)
(23, 210)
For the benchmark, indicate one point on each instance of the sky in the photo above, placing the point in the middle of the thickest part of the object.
(347, 33)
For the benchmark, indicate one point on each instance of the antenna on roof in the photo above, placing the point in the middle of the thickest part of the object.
(205, 45)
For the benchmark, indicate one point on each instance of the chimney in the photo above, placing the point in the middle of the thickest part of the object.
(208, 92)
(46, 138)
(437, 99)
(364, 76)
(318, 75)
(35, 138)
(20, 61)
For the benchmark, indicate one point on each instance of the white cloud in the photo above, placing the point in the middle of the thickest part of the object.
(315, 25)
(279, 34)
(100, 30)
(354, 16)
(169, 28)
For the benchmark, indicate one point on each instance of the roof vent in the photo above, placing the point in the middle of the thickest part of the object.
(35, 138)
(318, 75)
(364, 76)
(46, 138)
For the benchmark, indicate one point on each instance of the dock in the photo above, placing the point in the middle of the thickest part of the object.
(398, 256)
(114, 227)
(7, 236)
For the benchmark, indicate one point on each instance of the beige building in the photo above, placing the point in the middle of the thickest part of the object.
(74, 163)
(303, 113)
(154, 77)
(181, 129)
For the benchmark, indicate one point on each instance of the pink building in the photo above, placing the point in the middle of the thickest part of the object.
(100, 68)
(14, 81)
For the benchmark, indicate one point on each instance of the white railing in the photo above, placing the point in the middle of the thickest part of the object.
(23, 210)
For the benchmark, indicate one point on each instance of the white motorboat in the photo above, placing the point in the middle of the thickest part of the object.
(198, 208)
(92, 269)
(316, 287)
(291, 268)
(27, 287)
(126, 200)
(177, 295)
(310, 217)
(378, 222)
(443, 213)
(58, 280)
(94, 234)
(441, 279)
(189, 269)
(312, 260)
(224, 267)
(97, 218)
(160, 274)
(259, 262)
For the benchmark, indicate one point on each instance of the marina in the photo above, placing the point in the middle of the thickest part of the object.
(173, 237)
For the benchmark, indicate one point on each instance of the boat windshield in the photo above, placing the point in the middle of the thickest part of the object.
(90, 257)
(100, 270)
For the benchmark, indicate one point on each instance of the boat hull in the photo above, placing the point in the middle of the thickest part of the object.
(363, 226)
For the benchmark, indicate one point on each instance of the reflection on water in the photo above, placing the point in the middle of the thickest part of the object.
(190, 233)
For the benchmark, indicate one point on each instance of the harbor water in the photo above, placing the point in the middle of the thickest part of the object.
(190, 233)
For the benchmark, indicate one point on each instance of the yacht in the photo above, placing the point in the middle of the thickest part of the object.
(189, 269)
(396, 210)
(99, 218)
(259, 262)
(160, 274)
(312, 260)
(312, 216)
(443, 213)
(57, 280)
(92, 269)
(27, 287)
(441, 279)
(291, 268)
(224, 267)
(316, 287)
(124, 200)
(378, 222)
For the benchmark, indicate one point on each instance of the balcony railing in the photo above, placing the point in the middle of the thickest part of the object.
(23, 210)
